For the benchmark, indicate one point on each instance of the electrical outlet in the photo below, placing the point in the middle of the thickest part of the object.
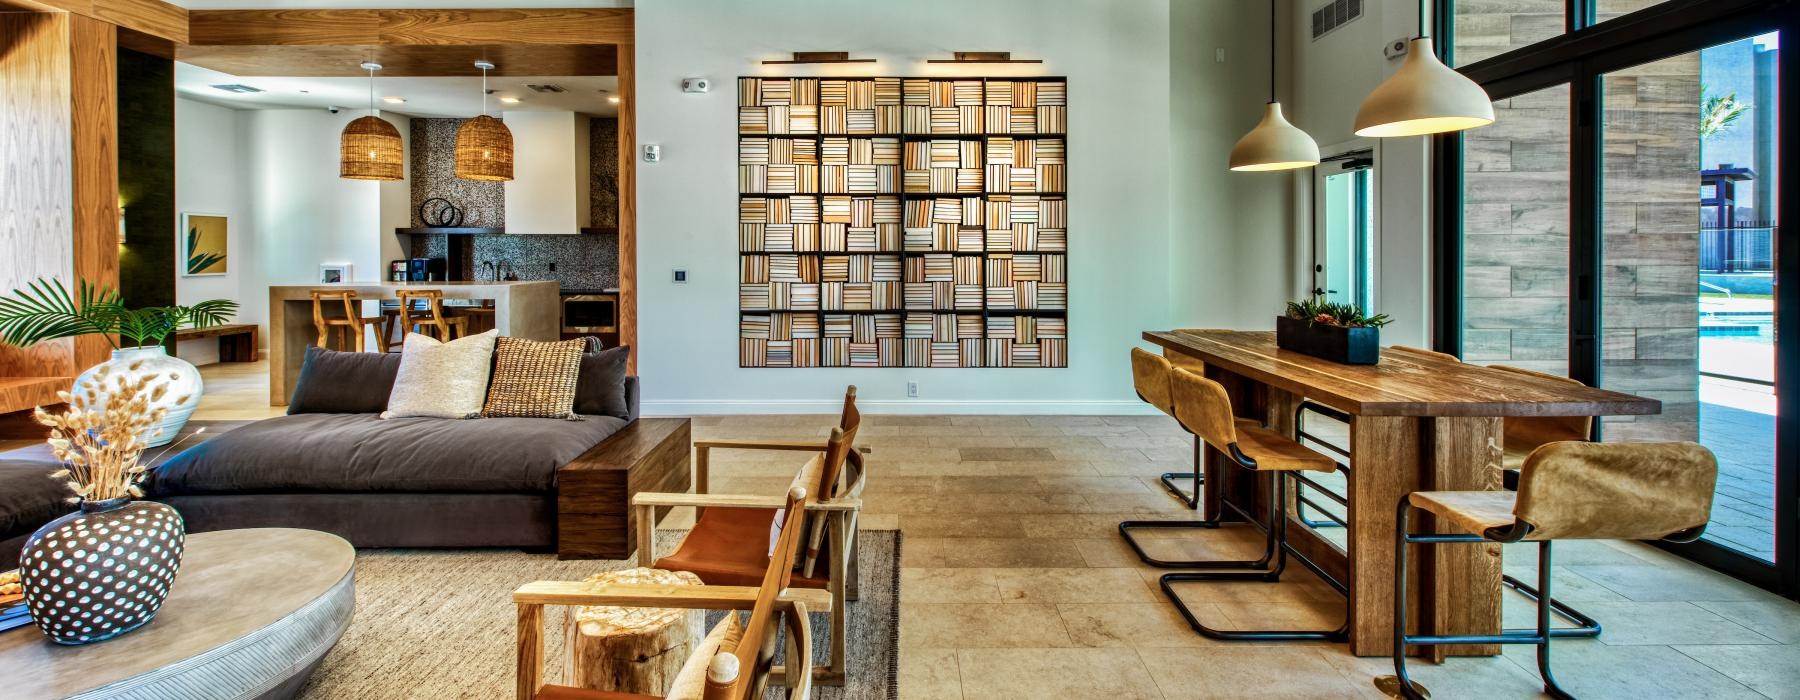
(1219, 55)
(681, 276)
(912, 390)
(652, 153)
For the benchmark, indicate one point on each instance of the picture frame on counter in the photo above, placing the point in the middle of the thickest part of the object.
(336, 273)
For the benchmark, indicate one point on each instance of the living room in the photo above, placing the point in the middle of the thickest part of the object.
(488, 348)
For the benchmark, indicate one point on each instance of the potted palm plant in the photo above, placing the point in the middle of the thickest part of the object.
(47, 310)
(1330, 330)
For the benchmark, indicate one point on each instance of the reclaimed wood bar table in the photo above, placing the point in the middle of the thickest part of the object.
(1416, 423)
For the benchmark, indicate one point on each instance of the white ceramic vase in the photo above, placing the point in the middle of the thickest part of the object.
(182, 376)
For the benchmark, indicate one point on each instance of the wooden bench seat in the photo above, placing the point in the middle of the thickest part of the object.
(237, 341)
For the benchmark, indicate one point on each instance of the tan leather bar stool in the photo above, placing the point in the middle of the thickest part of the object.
(431, 301)
(1422, 352)
(351, 322)
(1150, 376)
(1204, 408)
(1567, 491)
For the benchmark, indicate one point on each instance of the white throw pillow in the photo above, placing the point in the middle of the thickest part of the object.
(442, 380)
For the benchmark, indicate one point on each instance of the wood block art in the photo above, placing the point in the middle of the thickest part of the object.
(902, 222)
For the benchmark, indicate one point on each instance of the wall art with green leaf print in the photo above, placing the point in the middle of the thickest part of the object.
(205, 245)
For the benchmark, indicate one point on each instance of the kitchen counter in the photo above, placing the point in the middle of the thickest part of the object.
(523, 309)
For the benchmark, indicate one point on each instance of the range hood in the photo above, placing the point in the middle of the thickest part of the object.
(549, 192)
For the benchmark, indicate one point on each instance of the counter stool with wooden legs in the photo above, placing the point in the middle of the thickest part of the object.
(1150, 376)
(1567, 491)
(351, 322)
(447, 328)
(1204, 408)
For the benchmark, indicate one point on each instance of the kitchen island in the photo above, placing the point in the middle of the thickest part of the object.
(522, 309)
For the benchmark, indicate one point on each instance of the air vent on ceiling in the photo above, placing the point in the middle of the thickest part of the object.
(237, 88)
(546, 87)
(1334, 14)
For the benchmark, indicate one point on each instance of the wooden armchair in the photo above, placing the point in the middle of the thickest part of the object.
(723, 548)
(734, 662)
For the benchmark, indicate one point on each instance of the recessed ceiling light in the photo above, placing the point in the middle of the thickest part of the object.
(613, 99)
(237, 88)
(394, 100)
(510, 100)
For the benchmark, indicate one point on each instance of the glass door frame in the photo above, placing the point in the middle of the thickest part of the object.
(1359, 156)
(1581, 57)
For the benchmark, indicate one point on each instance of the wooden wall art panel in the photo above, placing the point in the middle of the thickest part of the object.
(902, 222)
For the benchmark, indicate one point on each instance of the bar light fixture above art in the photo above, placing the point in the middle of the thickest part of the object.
(369, 147)
(804, 57)
(984, 57)
(1423, 97)
(1274, 144)
(484, 146)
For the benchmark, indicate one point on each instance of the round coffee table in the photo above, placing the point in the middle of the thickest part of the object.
(251, 614)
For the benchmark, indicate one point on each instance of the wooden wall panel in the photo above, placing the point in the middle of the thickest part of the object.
(93, 78)
(628, 293)
(36, 204)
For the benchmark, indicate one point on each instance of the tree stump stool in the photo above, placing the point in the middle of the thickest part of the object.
(631, 650)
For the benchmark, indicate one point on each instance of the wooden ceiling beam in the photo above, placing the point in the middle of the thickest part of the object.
(152, 18)
(407, 27)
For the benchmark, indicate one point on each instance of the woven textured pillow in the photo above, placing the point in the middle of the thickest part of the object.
(534, 379)
(441, 380)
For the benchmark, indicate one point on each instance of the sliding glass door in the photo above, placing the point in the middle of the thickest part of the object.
(1621, 224)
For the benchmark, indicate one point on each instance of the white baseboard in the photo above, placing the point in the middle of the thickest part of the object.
(710, 407)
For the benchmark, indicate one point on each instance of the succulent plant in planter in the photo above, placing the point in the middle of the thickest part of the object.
(1331, 330)
(47, 310)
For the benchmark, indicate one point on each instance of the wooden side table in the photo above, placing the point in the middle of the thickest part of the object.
(631, 650)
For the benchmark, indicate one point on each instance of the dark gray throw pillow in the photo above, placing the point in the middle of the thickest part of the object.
(344, 382)
(601, 389)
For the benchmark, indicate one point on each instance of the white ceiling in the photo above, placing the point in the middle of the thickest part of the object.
(425, 97)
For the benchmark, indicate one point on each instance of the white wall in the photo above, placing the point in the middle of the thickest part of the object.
(1117, 58)
(1331, 77)
(275, 173)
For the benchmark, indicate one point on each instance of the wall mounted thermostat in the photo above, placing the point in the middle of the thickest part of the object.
(695, 85)
(652, 153)
(681, 276)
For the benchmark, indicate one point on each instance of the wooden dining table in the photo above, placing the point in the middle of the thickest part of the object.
(1417, 423)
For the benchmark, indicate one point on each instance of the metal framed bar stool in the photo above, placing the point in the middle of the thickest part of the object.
(1301, 482)
(1567, 491)
(1150, 376)
(1204, 408)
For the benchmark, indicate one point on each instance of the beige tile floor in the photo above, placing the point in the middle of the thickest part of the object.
(1015, 583)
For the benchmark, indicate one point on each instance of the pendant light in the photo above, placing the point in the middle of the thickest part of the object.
(370, 147)
(1423, 97)
(1274, 144)
(484, 146)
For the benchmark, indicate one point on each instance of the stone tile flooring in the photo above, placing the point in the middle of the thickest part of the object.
(1016, 584)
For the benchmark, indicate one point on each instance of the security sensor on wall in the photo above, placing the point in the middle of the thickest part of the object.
(699, 85)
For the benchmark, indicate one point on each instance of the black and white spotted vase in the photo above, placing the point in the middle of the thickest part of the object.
(101, 571)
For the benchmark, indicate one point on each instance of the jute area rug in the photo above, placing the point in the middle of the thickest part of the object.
(440, 623)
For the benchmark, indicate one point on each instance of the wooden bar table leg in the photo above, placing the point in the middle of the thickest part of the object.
(1386, 454)
(1464, 579)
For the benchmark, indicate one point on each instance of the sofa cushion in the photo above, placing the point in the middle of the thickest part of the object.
(28, 496)
(601, 389)
(342, 453)
(534, 379)
(344, 382)
(442, 380)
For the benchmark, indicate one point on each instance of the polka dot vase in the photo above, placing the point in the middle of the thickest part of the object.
(101, 571)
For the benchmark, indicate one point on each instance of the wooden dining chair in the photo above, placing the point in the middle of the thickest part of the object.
(736, 659)
(432, 322)
(1567, 491)
(351, 322)
(723, 546)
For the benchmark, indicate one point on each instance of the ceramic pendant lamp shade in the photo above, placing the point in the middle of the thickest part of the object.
(369, 147)
(1423, 97)
(484, 146)
(1274, 144)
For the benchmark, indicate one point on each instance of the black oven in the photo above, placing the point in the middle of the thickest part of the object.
(589, 314)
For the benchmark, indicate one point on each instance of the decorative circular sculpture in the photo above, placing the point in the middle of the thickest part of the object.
(484, 150)
(101, 571)
(438, 212)
(371, 150)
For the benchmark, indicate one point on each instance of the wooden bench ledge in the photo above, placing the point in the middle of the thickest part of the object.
(26, 393)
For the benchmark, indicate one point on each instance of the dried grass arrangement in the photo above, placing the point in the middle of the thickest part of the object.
(101, 437)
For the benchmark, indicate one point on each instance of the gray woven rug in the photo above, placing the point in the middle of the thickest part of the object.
(440, 623)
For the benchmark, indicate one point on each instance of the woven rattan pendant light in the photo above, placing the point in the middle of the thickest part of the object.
(370, 148)
(484, 146)
(1274, 144)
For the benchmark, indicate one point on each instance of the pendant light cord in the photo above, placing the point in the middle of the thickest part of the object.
(484, 92)
(1422, 33)
(1271, 51)
(372, 111)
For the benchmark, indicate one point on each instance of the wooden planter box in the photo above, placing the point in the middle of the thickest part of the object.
(1350, 346)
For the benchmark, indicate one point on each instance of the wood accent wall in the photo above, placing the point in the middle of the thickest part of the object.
(59, 143)
(627, 61)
